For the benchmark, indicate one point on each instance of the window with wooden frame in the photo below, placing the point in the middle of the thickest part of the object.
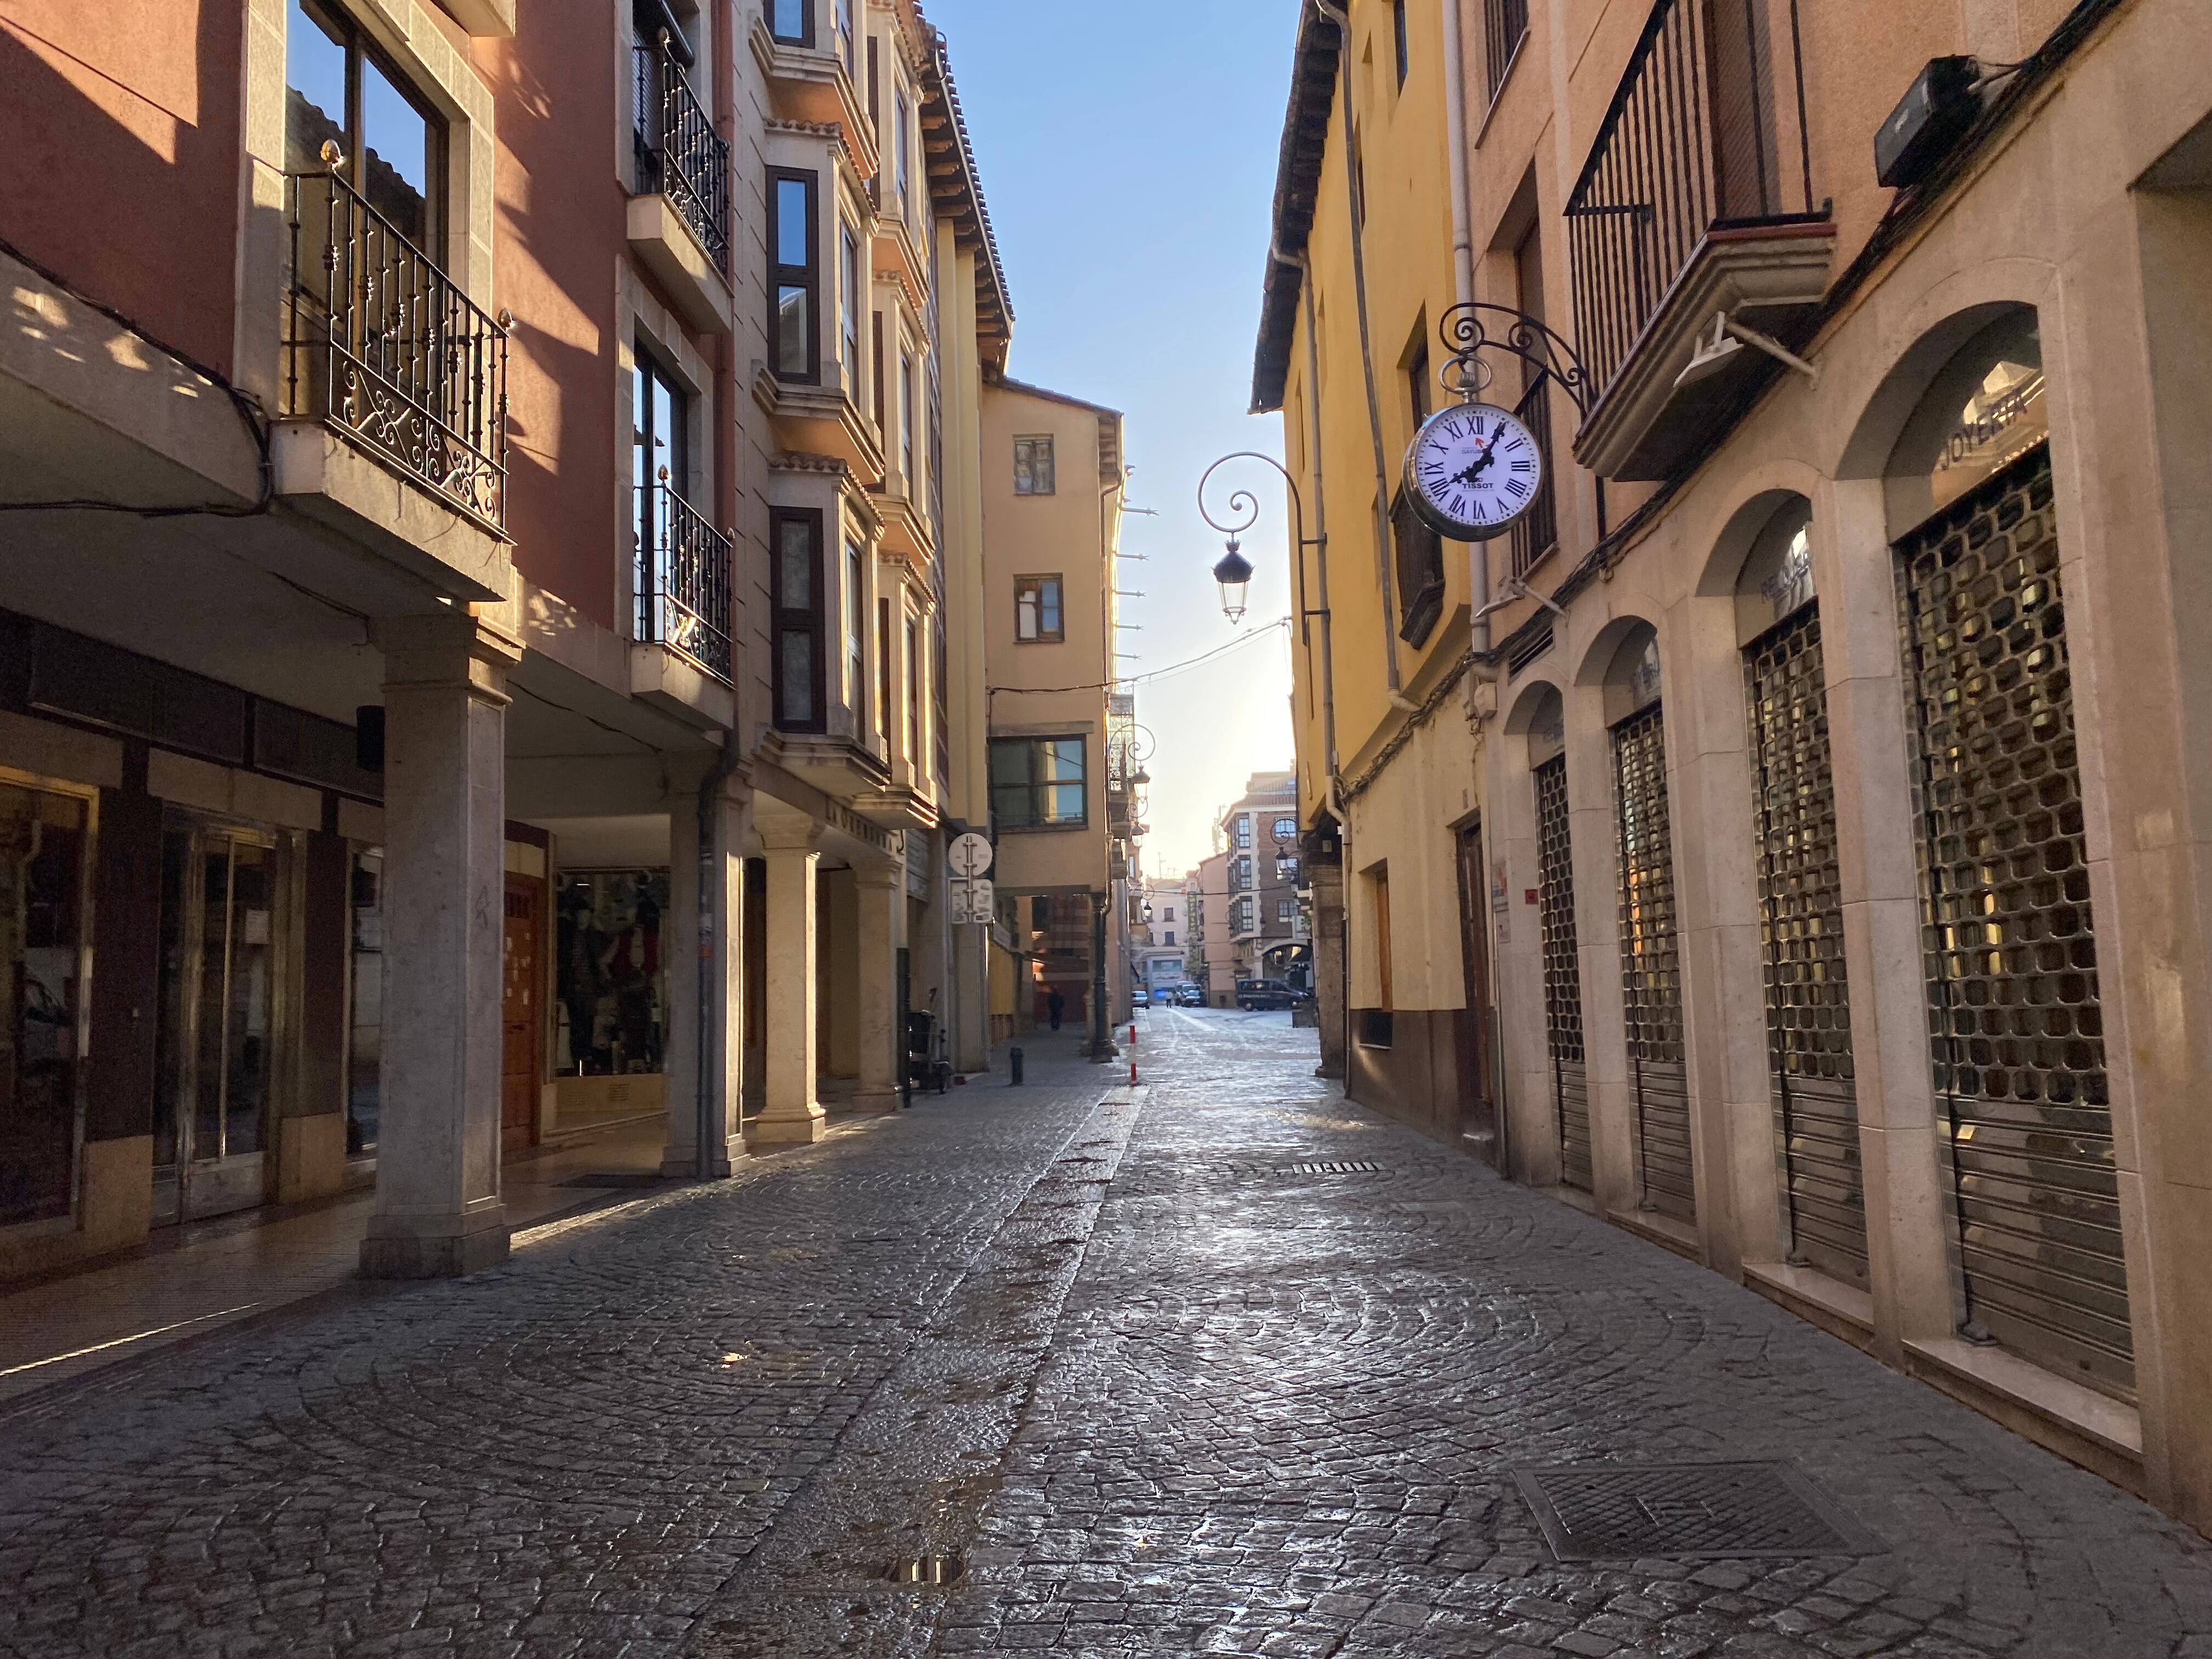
(1038, 783)
(1033, 466)
(1419, 387)
(856, 637)
(907, 424)
(794, 275)
(1038, 617)
(1398, 33)
(875, 374)
(792, 21)
(795, 600)
(902, 153)
(914, 693)
(848, 307)
(940, 698)
(1419, 554)
(886, 718)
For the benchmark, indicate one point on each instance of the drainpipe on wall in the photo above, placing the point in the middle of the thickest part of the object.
(1336, 14)
(1478, 553)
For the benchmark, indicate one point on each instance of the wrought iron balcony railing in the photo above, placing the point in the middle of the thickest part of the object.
(381, 342)
(679, 154)
(1706, 131)
(683, 583)
(1537, 531)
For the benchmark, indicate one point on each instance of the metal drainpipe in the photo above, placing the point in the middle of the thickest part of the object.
(1478, 553)
(710, 874)
(1336, 15)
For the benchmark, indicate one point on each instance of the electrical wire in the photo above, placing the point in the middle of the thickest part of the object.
(1259, 633)
(249, 410)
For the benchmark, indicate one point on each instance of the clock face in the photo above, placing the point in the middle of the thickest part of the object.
(1473, 471)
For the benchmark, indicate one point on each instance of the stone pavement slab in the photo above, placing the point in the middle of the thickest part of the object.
(1218, 1366)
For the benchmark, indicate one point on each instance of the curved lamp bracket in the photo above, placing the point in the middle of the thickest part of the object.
(1469, 329)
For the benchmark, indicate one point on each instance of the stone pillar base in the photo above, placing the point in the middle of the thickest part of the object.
(391, 1250)
(876, 1100)
(789, 1130)
(676, 1162)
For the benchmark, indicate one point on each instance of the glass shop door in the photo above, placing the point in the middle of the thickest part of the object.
(221, 931)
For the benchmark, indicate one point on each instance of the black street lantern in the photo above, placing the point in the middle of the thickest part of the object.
(1233, 573)
(1286, 865)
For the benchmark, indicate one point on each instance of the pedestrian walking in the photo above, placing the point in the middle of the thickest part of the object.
(1055, 1005)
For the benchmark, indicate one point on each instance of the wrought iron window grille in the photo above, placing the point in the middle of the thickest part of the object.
(384, 345)
(679, 154)
(684, 585)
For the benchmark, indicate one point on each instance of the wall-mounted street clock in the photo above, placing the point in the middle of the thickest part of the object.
(1473, 471)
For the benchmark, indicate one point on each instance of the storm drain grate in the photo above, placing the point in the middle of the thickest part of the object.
(1624, 1511)
(1332, 1169)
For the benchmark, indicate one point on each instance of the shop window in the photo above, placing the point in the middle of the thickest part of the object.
(365, 998)
(1038, 783)
(1033, 466)
(42, 987)
(609, 983)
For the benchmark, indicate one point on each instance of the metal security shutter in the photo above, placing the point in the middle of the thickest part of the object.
(2016, 1028)
(1563, 978)
(1808, 1021)
(1651, 970)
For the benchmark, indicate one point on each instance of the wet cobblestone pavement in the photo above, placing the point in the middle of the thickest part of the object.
(1162, 1384)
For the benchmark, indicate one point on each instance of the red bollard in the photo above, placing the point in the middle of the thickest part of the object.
(1132, 1053)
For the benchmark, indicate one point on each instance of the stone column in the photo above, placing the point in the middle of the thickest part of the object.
(971, 998)
(437, 1211)
(790, 1112)
(713, 945)
(881, 891)
(1329, 966)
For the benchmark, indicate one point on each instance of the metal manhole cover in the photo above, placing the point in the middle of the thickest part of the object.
(925, 1569)
(1332, 1169)
(1624, 1511)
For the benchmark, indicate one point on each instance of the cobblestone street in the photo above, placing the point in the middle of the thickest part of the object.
(1220, 1364)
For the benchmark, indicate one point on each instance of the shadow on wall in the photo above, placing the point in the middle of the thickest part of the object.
(122, 143)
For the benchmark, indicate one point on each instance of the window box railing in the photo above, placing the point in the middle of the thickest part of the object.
(679, 154)
(684, 585)
(1705, 132)
(383, 345)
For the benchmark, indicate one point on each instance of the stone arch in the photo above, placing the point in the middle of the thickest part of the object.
(1741, 529)
(1597, 656)
(1538, 718)
(1903, 389)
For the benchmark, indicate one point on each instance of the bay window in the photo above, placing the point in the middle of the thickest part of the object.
(794, 276)
(795, 598)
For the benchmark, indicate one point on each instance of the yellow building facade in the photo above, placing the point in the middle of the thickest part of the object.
(1836, 739)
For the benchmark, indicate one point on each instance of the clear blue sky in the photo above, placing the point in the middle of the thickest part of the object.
(1127, 154)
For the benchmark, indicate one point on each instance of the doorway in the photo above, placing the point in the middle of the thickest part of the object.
(222, 925)
(1478, 1109)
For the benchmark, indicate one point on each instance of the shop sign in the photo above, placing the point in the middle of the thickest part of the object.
(2003, 419)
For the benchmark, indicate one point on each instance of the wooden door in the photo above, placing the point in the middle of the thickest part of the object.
(1478, 1116)
(1383, 936)
(522, 995)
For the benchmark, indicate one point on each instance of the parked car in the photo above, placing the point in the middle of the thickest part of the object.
(1190, 995)
(1258, 993)
(1140, 998)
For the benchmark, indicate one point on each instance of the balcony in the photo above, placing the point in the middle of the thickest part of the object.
(809, 81)
(385, 358)
(1696, 201)
(684, 596)
(679, 219)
